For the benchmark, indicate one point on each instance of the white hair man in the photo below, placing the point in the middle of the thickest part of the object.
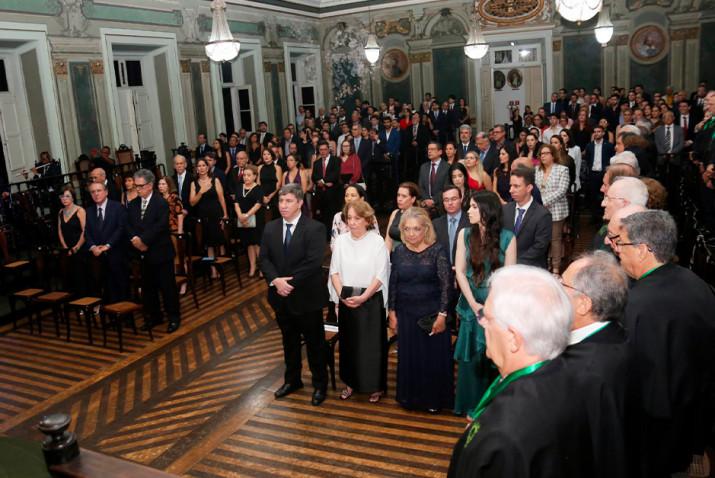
(597, 355)
(614, 225)
(627, 157)
(528, 419)
(670, 322)
(623, 192)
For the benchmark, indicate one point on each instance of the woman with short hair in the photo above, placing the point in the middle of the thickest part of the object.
(553, 182)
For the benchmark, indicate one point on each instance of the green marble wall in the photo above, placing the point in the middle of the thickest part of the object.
(400, 91)
(85, 106)
(276, 92)
(707, 53)
(198, 93)
(165, 112)
(450, 72)
(119, 13)
(35, 100)
(653, 77)
(582, 62)
(46, 7)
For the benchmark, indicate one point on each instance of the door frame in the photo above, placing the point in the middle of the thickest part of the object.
(317, 83)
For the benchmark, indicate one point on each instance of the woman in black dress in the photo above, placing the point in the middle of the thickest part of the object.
(407, 194)
(249, 198)
(70, 229)
(221, 155)
(502, 175)
(269, 176)
(209, 207)
(254, 149)
(420, 285)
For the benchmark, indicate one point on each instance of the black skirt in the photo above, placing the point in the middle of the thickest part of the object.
(363, 346)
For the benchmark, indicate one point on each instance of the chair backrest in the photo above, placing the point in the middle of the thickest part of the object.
(83, 165)
(124, 156)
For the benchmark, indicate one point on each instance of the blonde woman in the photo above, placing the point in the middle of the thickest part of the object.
(477, 178)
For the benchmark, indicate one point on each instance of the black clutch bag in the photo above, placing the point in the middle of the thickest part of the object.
(427, 322)
(349, 291)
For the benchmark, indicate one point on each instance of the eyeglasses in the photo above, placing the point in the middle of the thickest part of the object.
(611, 198)
(137, 185)
(569, 286)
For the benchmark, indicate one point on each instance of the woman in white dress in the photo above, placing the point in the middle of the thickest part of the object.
(353, 192)
(359, 277)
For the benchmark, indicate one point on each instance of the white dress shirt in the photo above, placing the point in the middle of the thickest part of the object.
(579, 335)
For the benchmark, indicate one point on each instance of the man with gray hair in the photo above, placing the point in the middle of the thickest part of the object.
(670, 321)
(465, 141)
(150, 236)
(528, 419)
(597, 355)
(488, 153)
(625, 191)
(627, 157)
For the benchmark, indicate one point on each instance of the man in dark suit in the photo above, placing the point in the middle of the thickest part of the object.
(391, 142)
(264, 137)
(291, 258)
(448, 225)
(105, 233)
(150, 236)
(326, 177)
(361, 144)
(687, 123)
(530, 221)
(288, 139)
(555, 106)
(379, 173)
(597, 155)
(235, 176)
(465, 144)
(203, 147)
(415, 138)
(594, 111)
(182, 179)
(99, 175)
(214, 171)
(488, 153)
(433, 176)
(233, 150)
(668, 139)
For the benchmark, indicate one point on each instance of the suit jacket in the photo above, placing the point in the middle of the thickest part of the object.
(572, 110)
(491, 159)
(690, 133)
(185, 189)
(607, 152)
(441, 229)
(266, 139)
(677, 139)
(441, 178)
(559, 107)
(461, 153)
(596, 112)
(303, 262)
(363, 152)
(111, 232)
(534, 237)
(440, 122)
(202, 149)
(284, 143)
(153, 229)
(392, 144)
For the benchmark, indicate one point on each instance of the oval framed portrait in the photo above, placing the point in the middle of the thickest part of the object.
(395, 65)
(514, 78)
(649, 44)
(499, 79)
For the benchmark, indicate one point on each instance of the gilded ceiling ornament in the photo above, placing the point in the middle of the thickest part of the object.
(509, 11)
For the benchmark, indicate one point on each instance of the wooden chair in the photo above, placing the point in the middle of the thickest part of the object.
(185, 275)
(234, 247)
(87, 306)
(117, 312)
(26, 296)
(218, 261)
(56, 301)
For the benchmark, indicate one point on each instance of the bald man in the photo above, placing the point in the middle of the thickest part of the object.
(99, 175)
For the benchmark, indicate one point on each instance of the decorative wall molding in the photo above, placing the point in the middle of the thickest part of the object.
(619, 40)
(257, 28)
(60, 67)
(403, 26)
(685, 33)
(556, 45)
(185, 66)
(38, 7)
(205, 67)
(511, 12)
(422, 57)
(97, 67)
(116, 13)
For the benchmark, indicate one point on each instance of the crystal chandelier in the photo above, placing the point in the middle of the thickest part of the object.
(372, 49)
(578, 10)
(221, 45)
(604, 28)
(476, 46)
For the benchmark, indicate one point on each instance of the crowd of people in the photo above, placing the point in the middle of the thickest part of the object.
(597, 366)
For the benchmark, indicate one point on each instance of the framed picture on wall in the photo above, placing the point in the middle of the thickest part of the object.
(502, 56)
(499, 80)
(514, 78)
(395, 65)
(649, 44)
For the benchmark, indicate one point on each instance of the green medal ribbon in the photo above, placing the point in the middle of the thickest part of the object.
(710, 123)
(649, 272)
(497, 386)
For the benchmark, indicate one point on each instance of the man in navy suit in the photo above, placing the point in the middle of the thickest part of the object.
(448, 225)
(441, 122)
(598, 156)
(182, 179)
(328, 190)
(150, 236)
(203, 146)
(105, 233)
(361, 144)
(433, 177)
(465, 144)
(288, 139)
(555, 106)
(390, 139)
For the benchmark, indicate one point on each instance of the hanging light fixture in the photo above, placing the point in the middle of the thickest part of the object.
(221, 45)
(476, 46)
(578, 10)
(372, 49)
(604, 28)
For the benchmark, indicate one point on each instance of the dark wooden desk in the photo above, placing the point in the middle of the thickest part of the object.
(90, 464)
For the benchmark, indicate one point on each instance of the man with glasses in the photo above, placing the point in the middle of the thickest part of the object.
(150, 237)
(433, 176)
(99, 175)
(597, 354)
(670, 321)
(624, 191)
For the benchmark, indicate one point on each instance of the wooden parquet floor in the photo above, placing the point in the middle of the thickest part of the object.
(199, 402)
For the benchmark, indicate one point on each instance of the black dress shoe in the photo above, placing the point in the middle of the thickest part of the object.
(287, 389)
(173, 327)
(318, 397)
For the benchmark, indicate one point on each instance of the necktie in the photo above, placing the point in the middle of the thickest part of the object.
(464, 150)
(685, 127)
(519, 219)
(452, 231)
(357, 144)
(181, 183)
(325, 167)
(481, 155)
(553, 107)
(144, 204)
(432, 177)
(286, 241)
(667, 139)
(100, 216)
(240, 174)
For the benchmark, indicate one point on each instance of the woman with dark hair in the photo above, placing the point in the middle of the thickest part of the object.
(481, 249)
(458, 178)
(464, 117)
(450, 153)
(222, 159)
(581, 131)
(296, 174)
(502, 175)
(254, 149)
(407, 195)
(574, 152)
(520, 140)
(517, 122)
(129, 192)
(603, 123)
(563, 158)
(531, 148)
(71, 221)
(269, 175)
(350, 168)
(209, 207)
(552, 180)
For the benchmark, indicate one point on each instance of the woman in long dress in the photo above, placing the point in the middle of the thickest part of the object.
(407, 195)
(420, 284)
(249, 200)
(359, 271)
(70, 230)
(481, 249)
(209, 207)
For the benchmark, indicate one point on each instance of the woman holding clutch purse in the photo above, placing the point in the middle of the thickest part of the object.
(481, 250)
(419, 293)
(249, 199)
(359, 271)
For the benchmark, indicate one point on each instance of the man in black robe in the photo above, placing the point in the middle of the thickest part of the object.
(670, 321)
(528, 423)
(597, 355)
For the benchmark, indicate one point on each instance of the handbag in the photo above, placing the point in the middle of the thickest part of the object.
(349, 291)
(427, 322)
(251, 222)
(360, 183)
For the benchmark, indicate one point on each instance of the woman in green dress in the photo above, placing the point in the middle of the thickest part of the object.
(481, 249)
